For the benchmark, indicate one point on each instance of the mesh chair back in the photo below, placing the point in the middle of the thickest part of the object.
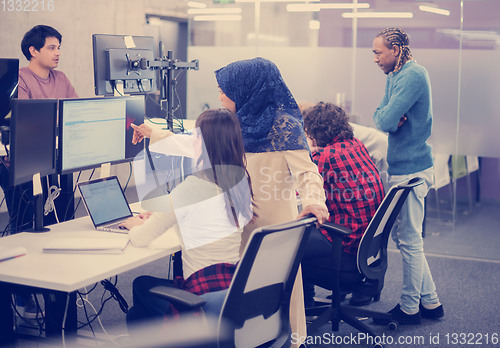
(372, 252)
(257, 304)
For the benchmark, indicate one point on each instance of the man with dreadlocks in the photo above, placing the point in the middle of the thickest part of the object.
(405, 113)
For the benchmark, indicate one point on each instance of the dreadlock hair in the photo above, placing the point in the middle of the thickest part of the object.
(397, 37)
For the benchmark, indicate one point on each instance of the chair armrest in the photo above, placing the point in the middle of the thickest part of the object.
(337, 229)
(178, 296)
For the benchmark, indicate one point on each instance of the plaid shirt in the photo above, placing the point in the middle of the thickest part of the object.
(209, 279)
(213, 278)
(352, 186)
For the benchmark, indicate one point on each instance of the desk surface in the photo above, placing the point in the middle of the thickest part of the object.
(70, 272)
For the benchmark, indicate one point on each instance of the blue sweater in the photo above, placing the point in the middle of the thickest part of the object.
(408, 93)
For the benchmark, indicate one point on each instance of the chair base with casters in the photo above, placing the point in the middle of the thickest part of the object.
(348, 314)
(255, 312)
(371, 266)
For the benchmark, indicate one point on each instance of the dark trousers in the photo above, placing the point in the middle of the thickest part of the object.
(317, 266)
(145, 305)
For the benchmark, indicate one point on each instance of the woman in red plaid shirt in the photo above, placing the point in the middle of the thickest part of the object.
(352, 187)
(209, 209)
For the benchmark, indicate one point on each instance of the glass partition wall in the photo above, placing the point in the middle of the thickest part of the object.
(324, 51)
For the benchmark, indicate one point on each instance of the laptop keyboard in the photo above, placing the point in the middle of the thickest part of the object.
(114, 227)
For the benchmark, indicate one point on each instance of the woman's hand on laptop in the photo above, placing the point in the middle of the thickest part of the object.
(135, 221)
(145, 215)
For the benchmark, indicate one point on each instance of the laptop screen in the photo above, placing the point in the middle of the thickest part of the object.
(104, 200)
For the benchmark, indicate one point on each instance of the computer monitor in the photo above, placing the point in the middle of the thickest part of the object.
(135, 111)
(93, 131)
(9, 75)
(32, 139)
(116, 61)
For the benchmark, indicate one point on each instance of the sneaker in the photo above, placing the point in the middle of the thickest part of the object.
(435, 313)
(20, 309)
(31, 310)
(401, 317)
(311, 318)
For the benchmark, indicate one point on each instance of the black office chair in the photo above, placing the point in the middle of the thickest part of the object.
(368, 279)
(256, 307)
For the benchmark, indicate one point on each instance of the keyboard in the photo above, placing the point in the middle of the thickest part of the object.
(114, 228)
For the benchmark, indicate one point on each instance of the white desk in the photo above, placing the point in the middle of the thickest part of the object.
(69, 272)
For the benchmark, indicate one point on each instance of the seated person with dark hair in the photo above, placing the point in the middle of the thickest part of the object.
(39, 80)
(353, 193)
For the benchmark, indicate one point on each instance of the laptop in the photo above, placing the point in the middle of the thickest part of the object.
(105, 203)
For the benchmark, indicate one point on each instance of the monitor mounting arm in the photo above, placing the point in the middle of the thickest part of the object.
(166, 65)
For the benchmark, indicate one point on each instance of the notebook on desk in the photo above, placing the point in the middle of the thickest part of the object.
(65, 245)
(106, 203)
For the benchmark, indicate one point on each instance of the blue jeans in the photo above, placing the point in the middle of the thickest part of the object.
(215, 300)
(407, 233)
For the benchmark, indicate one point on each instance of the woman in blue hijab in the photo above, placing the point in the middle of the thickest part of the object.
(277, 153)
(272, 129)
(269, 116)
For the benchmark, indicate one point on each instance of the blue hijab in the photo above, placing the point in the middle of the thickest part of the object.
(269, 116)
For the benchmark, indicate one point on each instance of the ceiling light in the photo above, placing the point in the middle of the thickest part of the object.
(196, 4)
(224, 10)
(276, 1)
(314, 24)
(378, 15)
(434, 10)
(318, 7)
(214, 18)
(479, 35)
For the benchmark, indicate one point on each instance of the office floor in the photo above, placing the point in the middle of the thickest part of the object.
(464, 262)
